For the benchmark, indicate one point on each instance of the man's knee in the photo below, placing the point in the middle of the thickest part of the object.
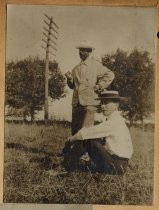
(97, 145)
(73, 150)
(66, 148)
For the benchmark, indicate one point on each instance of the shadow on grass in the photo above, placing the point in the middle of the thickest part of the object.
(44, 162)
(24, 148)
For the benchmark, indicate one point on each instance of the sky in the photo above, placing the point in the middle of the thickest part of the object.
(106, 28)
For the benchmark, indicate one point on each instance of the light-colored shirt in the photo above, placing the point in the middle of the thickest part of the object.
(118, 139)
(86, 75)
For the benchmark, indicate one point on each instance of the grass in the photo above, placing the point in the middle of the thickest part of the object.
(32, 152)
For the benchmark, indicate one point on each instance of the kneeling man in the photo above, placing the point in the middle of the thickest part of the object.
(112, 156)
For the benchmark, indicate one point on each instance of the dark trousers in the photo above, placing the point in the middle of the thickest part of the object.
(82, 116)
(103, 161)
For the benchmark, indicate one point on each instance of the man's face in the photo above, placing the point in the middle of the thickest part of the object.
(109, 106)
(84, 53)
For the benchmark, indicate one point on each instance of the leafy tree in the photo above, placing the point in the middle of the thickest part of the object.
(134, 79)
(25, 85)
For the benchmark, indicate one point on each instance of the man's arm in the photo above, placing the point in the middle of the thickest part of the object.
(70, 81)
(93, 132)
(105, 77)
(70, 84)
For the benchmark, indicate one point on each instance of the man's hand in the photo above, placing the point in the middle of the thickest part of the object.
(69, 75)
(70, 139)
(76, 137)
(98, 88)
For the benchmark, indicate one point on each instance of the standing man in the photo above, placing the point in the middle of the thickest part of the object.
(113, 156)
(87, 80)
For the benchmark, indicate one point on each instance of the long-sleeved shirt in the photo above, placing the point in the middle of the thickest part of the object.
(86, 75)
(118, 140)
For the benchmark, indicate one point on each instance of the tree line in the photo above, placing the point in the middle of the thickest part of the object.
(25, 86)
(134, 79)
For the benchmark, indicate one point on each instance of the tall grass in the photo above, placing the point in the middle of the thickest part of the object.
(32, 153)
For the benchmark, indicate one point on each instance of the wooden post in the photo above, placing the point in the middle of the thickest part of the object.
(46, 115)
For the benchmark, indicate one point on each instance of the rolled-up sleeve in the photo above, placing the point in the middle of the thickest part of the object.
(106, 76)
(96, 131)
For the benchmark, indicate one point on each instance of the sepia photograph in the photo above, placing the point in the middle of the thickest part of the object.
(79, 105)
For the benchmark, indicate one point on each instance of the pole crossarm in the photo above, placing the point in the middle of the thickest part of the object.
(51, 20)
(46, 29)
(52, 53)
(46, 23)
(44, 41)
(49, 32)
(52, 47)
(49, 38)
(44, 48)
(53, 42)
(45, 35)
(53, 35)
(55, 24)
(50, 26)
(54, 30)
(47, 17)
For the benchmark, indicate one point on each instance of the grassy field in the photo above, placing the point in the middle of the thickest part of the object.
(30, 173)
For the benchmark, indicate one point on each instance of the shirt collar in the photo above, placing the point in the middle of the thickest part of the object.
(113, 115)
(87, 61)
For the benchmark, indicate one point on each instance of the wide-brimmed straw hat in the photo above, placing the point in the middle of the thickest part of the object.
(110, 94)
(85, 45)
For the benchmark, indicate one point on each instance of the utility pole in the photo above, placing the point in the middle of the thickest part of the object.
(50, 31)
